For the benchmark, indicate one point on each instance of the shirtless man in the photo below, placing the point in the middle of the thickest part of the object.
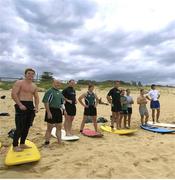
(23, 93)
(142, 101)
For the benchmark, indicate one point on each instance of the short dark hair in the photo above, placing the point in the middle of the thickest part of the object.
(29, 69)
(71, 80)
(141, 90)
(153, 85)
(90, 85)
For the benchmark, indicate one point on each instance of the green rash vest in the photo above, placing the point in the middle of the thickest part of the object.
(123, 100)
(54, 97)
(90, 99)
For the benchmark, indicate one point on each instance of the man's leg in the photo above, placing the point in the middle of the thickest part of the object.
(69, 125)
(65, 123)
(153, 115)
(146, 119)
(113, 119)
(17, 133)
(58, 132)
(142, 119)
(125, 119)
(129, 120)
(157, 115)
(119, 118)
(28, 115)
(94, 118)
(83, 123)
(48, 133)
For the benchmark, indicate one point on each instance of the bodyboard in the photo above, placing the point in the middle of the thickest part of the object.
(26, 156)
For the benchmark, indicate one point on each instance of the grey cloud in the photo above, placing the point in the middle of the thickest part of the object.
(99, 55)
(56, 16)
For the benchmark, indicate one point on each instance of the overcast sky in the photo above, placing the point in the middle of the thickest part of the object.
(89, 39)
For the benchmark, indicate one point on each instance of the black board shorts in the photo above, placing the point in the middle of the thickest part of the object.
(129, 110)
(116, 107)
(57, 116)
(70, 109)
(90, 111)
(25, 116)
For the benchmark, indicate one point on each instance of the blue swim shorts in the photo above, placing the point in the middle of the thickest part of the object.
(155, 105)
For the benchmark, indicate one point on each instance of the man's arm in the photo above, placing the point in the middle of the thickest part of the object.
(147, 96)
(80, 100)
(109, 99)
(97, 100)
(49, 114)
(64, 92)
(36, 99)
(138, 101)
(158, 95)
(14, 94)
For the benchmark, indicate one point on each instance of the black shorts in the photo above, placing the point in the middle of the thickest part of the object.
(116, 107)
(129, 110)
(57, 116)
(90, 111)
(70, 109)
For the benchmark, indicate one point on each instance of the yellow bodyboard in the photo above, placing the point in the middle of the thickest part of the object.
(27, 155)
(116, 131)
(0, 144)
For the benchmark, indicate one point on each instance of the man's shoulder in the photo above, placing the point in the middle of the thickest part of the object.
(19, 82)
(65, 89)
(49, 90)
(112, 89)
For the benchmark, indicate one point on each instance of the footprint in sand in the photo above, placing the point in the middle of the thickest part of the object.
(155, 158)
(128, 153)
(45, 168)
(136, 163)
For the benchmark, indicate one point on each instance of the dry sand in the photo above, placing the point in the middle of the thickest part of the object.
(142, 155)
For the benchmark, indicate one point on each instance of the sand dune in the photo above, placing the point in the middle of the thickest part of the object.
(142, 155)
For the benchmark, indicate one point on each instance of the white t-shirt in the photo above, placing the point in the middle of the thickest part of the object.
(129, 100)
(154, 94)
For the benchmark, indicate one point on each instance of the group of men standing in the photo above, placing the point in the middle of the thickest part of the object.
(58, 103)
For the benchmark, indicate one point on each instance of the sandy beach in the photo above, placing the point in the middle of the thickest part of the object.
(141, 155)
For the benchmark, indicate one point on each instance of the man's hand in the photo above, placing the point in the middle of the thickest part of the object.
(22, 107)
(69, 101)
(86, 106)
(49, 115)
(35, 109)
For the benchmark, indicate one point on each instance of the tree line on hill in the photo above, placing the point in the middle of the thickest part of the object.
(48, 76)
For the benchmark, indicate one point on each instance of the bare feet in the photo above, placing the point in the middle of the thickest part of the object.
(24, 146)
(17, 149)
